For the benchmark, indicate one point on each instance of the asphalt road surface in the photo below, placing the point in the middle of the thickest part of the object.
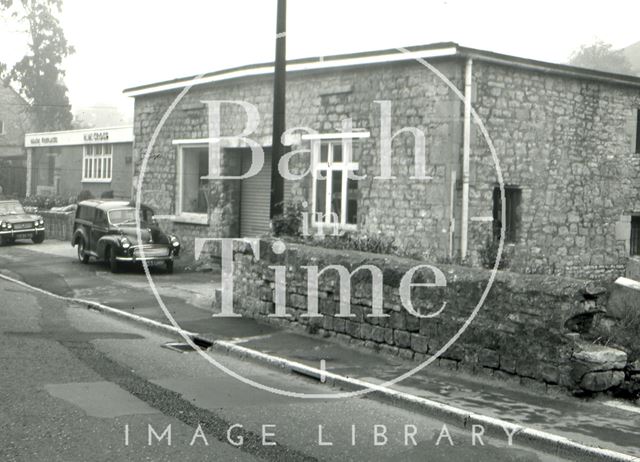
(77, 385)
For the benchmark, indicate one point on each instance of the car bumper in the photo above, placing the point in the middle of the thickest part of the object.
(23, 233)
(148, 254)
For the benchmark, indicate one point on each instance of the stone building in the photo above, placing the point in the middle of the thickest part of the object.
(15, 121)
(566, 141)
(98, 160)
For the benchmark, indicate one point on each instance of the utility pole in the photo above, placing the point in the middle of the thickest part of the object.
(279, 102)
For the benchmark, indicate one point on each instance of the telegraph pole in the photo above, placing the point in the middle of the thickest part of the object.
(279, 102)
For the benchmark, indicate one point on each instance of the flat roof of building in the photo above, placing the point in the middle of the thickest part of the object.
(434, 50)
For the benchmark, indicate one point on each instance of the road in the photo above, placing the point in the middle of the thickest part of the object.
(78, 385)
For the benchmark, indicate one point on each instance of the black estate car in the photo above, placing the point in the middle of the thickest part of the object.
(15, 223)
(106, 230)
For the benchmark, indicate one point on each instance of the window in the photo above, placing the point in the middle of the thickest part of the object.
(513, 197)
(193, 164)
(635, 235)
(126, 216)
(97, 160)
(85, 213)
(334, 195)
(101, 218)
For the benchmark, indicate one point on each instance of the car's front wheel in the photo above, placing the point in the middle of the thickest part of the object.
(38, 238)
(82, 253)
(113, 261)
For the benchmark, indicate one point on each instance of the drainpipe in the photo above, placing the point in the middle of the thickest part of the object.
(466, 151)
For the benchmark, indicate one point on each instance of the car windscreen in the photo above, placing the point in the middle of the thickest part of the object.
(11, 208)
(124, 216)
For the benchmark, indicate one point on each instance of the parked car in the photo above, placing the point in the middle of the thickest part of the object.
(15, 223)
(106, 230)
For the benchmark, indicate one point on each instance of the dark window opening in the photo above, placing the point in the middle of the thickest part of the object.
(635, 235)
(195, 166)
(637, 131)
(513, 198)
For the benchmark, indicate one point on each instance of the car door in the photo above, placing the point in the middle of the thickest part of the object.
(84, 222)
(99, 229)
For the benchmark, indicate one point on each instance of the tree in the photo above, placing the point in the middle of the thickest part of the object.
(601, 56)
(38, 76)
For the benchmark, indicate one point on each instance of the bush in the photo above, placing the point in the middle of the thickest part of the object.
(289, 223)
(375, 243)
(489, 253)
(47, 202)
(619, 333)
(84, 195)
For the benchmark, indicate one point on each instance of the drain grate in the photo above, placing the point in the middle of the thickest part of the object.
(183, 347)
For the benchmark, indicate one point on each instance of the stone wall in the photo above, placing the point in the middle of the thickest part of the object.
(16, 119)
(58, 225)
(16, 115)
(525, 328)
(569, 144)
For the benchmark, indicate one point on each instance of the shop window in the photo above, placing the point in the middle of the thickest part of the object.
(97, 160)
(334, 195)
(193, 165)
(513, 197)
(635, 235)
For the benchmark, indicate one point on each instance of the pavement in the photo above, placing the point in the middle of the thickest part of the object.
(598, 422)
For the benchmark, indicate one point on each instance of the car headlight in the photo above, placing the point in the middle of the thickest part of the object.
(9, 226)
(124, 242)
(3, 225)
(174, 241)
(41, 222)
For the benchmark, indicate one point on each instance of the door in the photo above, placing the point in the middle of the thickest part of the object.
(255, 202)
(99, 229)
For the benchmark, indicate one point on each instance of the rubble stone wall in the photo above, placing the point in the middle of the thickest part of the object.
(519, 331)
(569, 144)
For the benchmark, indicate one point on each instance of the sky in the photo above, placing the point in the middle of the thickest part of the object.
(123, 43)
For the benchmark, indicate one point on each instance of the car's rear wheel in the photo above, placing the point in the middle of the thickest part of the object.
(38, 238)
(82, 253)
(113, 261)
(169, 265)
